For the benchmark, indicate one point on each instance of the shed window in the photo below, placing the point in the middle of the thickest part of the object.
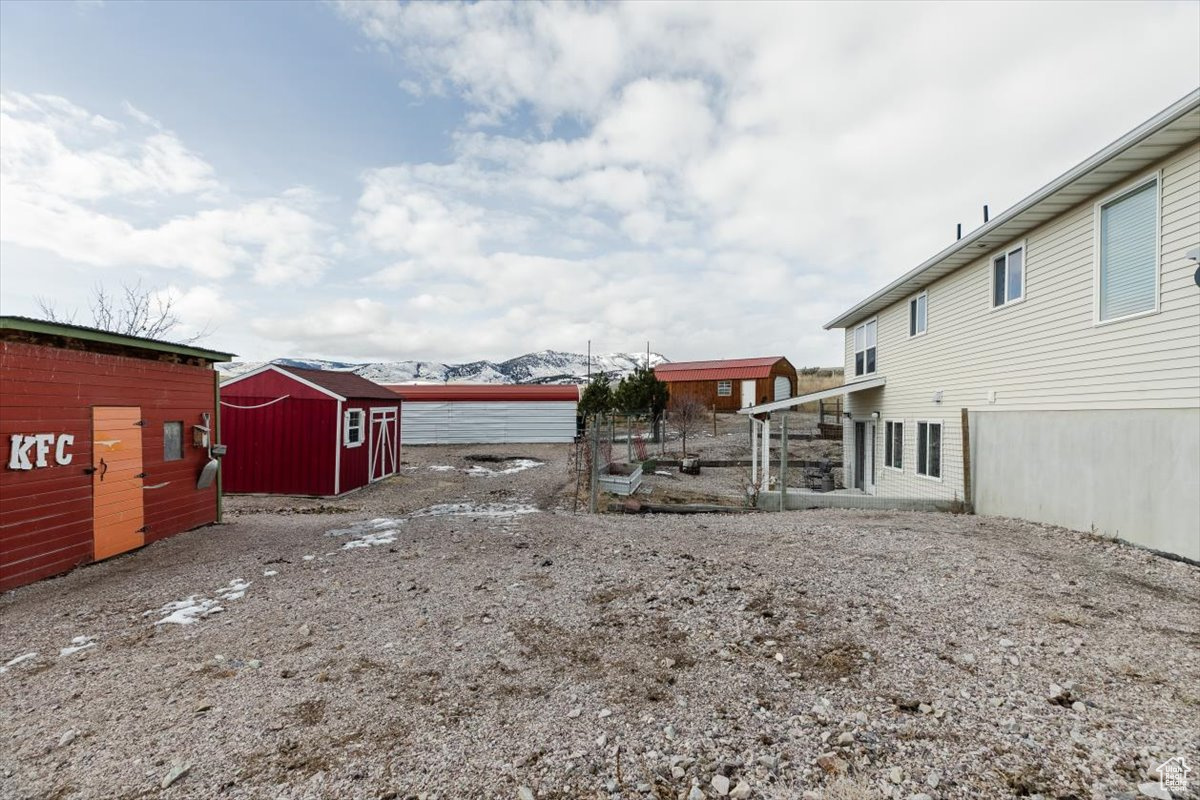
(354, 427)
(1008, 276)
(1128, 245)
(172, 441)
(929, 449)
(918, 313)
(864, 349)
(893, 446)
(724, 388)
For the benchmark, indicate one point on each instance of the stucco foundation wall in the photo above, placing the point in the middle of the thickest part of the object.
(1132, 474)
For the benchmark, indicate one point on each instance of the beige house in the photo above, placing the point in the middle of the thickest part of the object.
(1068, 327)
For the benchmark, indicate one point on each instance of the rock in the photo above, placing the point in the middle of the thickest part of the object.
(907, 703)
(1056, 692)
(66, 738)
(644, 788)
(845, 737)
(1006, 643)
(177, 772)
(925, 708)
(677, 772)
(669, 732)
(721, 784)
(695, 794)
(254, 663)
(741, 791)
(1154, 790)
(966, 659)
(574, 712)
(831, 763)
(1079, 706)
(305, 630)
(604, 713)
(933, 779)
(524, 793)
(770, 762)
(1009, 725)
(896, 775)
(920, 796)
(779, 657)
(601, 740)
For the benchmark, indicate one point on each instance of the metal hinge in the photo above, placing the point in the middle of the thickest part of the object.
(143, 529)
(141, 423)
(140, 475)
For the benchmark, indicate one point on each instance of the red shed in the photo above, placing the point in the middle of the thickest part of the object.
(730, 384)
(307, 431)
(108, 445)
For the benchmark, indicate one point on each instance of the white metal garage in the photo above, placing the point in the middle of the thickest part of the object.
(483, 414)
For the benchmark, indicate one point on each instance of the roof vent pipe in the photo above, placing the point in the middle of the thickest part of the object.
(985, 215)
(960, 230)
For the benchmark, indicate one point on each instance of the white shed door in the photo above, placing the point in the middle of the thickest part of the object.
(748, 393)
(783, 387)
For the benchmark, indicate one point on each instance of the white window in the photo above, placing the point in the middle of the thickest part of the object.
(354, 428)
(864, 348)
(918, 313)
(724, 388)
(929, 449)
(1127, 253)
(1008, 276)
(893, 445)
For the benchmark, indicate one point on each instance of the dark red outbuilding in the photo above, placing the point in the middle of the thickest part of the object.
(307, 431)
(107, 438)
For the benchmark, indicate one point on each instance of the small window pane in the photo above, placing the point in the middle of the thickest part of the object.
(912, 317)
(870, 335)
(922, 309)
(998, 282)
(870, 359)
(898, 446)
(172, 441)
(922, 448)
(859, 335)
(858, 363)
(1016, 260)
(935, 451)
(887, 446)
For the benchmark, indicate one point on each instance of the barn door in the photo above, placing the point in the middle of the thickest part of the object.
(748, 393)
(117, 522)
(383, 442)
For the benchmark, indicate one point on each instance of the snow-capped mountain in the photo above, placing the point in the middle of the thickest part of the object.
(548, 366)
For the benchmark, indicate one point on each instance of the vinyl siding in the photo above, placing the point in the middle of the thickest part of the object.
(1045, 352)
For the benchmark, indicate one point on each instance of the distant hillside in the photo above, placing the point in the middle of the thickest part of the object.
(547, 366)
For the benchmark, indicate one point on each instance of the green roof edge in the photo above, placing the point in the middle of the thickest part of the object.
(107, 337)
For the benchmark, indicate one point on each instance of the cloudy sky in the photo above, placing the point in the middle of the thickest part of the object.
(381, 181)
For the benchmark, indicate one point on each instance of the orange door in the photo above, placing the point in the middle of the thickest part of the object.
(117, 480)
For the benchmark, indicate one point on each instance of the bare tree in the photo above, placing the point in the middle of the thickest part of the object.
(686, 415)
(134, 311)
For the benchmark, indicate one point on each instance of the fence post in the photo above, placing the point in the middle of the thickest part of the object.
(968, 489)
(783, 464)
(628, 439)
(594, 488)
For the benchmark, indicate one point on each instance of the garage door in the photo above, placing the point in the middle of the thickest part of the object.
(783, 387)
(486, 423)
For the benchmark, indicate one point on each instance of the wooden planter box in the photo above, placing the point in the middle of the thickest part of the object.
(621, 479)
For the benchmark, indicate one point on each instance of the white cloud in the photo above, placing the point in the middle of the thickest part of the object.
(80, 185)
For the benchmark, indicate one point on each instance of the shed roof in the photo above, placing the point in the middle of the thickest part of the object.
(1132, 154)
(98, 336)
(346, 384)
(449, 392)
(720, 370)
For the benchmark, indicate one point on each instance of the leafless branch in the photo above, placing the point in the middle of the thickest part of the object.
(135, 311)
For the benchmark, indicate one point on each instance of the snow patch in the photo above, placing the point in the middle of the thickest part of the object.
(381, 530)
(77, 644)
(441, 468)
(516, 465)
(18, 660)
(194, 607)
(476, 510)
(270, 573)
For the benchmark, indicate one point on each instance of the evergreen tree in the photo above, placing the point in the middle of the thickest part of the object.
(597, 396)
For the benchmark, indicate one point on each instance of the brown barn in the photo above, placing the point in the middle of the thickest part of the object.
(732, 383)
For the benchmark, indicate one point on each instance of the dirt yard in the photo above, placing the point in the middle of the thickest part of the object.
(454, 633)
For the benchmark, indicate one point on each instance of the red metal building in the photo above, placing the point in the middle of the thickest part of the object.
(730, 384)
(307, 431)
(108, 445)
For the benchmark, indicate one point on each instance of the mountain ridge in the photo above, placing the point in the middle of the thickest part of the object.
(541, 367)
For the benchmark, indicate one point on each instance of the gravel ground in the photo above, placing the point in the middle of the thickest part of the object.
(475, 655)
